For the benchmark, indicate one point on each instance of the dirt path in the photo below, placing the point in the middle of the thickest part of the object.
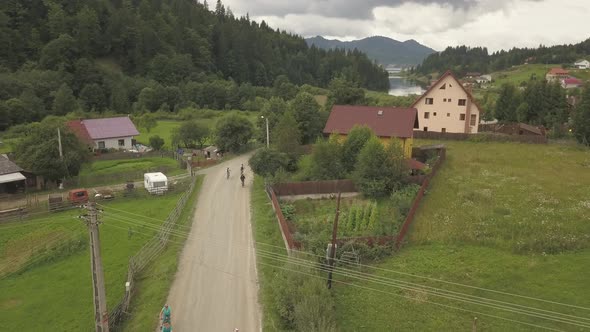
(215, 288)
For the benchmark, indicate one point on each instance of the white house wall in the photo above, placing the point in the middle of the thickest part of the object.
(113, 143)
(448, 113)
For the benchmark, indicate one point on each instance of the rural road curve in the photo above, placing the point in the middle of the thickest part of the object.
(215, 288)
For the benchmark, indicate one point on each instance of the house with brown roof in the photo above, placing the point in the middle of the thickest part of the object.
(106, 133)
(557, 74)
(447, 106)
(386, 122)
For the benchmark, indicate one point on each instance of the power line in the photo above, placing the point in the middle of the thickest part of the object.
(532, 311)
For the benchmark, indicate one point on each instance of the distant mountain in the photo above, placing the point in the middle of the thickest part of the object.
(385, 51)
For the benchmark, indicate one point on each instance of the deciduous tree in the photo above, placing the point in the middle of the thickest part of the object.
(233, 132)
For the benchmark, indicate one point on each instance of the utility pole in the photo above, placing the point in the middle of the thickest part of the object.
(267, 136)
(474, 324)
(332, 248)
(61, 155)
(101, 316)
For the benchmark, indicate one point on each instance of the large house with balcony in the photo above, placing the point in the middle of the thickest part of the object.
(108, 133)
(447, 107)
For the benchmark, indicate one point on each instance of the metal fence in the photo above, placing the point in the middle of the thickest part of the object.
(146, 254)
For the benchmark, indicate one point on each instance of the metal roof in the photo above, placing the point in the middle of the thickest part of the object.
(12, 177)
(110, 127)
(384, 121)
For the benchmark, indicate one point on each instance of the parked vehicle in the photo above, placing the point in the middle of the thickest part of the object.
(78, 196)
(155, 183)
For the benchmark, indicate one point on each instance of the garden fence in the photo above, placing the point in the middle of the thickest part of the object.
(285, 232)
(480, 137)
(146, 254)
(314, 187)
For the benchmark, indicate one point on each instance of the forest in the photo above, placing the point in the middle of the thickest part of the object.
(463, 59)
(136, 56)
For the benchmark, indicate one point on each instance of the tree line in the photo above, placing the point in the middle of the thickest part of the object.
(463, 59)
(60, 56)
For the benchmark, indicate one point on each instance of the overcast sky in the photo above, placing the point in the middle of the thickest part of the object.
(496, 24)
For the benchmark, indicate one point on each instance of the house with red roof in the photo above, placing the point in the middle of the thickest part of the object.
(571, 83)
(386, 122)
(556, 74)
(448, 107)
(106, 133)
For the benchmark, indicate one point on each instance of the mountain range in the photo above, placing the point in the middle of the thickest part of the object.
(384, 50)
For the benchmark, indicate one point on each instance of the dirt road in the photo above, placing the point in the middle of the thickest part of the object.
(215, 288)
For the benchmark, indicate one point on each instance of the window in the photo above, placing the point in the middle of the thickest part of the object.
(449, 100)
(429, 101)
(434, 113)
(473, 120)
(462, 116)
(101, 145)
(444, 99)
(462, 102)
(444, 86)
(121, 142)
(425, 128)
(444, 130)
(448, 115)
(426, 115)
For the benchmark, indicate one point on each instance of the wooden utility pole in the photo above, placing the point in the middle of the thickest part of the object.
(61, 155)
(333, 248)
(474, 324)
(101, 316)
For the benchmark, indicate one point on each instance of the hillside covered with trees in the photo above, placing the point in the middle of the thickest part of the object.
(463, 59)
(124, 56)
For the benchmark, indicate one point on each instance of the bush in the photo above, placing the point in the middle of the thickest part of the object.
(266, 162)
(402, 199)
(156, 142)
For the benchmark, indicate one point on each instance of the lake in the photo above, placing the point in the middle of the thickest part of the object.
(399, 86)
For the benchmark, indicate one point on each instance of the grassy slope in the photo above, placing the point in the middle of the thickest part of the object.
(58, 295)
(266, 230)
(155, 281)
(489, 215)
(521, 73)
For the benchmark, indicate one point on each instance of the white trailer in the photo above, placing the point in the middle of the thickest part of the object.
(155, 183)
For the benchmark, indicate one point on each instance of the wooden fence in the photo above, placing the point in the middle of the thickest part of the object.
(129, 155)
(314, 187)
(285, 232)
(146, 254)
(480, 137)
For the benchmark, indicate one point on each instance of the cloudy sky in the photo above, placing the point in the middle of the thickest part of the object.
(496, 24)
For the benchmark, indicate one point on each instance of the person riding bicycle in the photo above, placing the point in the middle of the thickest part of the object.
(243, 178)
(166, 327)
(242, 169)
(227, 171)
(165, 314)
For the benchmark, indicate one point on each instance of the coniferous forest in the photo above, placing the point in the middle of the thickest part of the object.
(62, 56)
(463, 59)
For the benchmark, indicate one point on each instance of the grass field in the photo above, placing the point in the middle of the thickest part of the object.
(109, 167)
(154, 282)
(165, 128)
(504, 216)
(55, 291)
(522, 73)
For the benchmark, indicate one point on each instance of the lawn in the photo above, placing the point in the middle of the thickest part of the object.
(165, 128)
(55, 291)
(105, 172)
(504, 216)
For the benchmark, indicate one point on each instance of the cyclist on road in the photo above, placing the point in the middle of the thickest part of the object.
(227, 171)
(242, 169)
(243, 178)
(165, 315)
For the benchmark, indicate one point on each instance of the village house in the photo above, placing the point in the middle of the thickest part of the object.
(582, 64)
(14, 179)
(483, 79)
(447, 107)
(107, 133)
(571, 83)
(386, 122)
(556, 74)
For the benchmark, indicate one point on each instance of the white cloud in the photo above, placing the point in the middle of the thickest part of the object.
(496, 24)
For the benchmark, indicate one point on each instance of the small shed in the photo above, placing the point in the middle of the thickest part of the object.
(11, 179)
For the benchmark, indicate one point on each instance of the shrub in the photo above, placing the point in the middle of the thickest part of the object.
(266, 162)
(402, 199)
(156, 142)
